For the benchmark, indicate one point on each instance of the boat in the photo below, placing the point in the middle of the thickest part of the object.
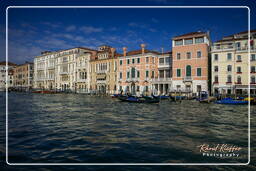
(44, 92)
(164, 97)
(205, 98)
(115, 95)
(231, 101)
(251, 99)
(143, 99)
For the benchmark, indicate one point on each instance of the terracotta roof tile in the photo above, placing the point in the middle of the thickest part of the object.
(9, 63)
(191, 34)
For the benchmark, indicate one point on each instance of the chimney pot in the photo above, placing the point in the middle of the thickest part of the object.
(124, 50)
(142, 48)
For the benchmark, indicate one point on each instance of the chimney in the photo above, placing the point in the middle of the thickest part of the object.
(125, 50)
(142, 48)
(112, 52)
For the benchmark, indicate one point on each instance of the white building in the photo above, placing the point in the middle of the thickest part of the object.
(63, 70)
(3, 75)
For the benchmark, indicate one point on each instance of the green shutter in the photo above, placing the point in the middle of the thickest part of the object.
(199, 72)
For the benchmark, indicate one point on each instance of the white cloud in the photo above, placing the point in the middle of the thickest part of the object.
(91, 29)
(71, 28)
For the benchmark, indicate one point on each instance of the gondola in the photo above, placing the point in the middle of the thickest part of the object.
(230, 101)
(143, 99)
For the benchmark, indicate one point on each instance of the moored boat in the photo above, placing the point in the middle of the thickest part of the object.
(231, 101)
(143, 99)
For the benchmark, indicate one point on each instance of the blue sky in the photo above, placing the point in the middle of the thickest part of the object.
(34, 30)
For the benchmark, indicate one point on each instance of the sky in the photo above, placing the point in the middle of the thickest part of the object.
(33, 30)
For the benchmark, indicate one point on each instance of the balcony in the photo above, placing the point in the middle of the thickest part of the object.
(164, 65)
(40, 68)
(101, 81)
(187, 79)
(229, 82)
(162, 79)
(63, 72)
(239, 60)
(132, 79)
(238, 83)
(215, 82)
(81, 80)
(50, 79)
(239, 72)
(50, 67)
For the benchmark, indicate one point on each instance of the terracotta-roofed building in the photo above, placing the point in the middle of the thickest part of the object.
(137, 71)
(229, 59)
(190, 62)
(103, 70)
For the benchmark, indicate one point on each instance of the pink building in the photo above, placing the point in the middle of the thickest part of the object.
(190, 62)
(136, 70)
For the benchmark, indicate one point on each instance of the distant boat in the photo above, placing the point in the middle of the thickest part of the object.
(143, 99)
(44, 92)
(205, 98)
(231, 101)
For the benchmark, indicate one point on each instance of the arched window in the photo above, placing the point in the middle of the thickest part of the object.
(133, 72)
(188, 71)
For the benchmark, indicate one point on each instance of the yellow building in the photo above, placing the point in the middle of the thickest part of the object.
(232, 67)
(103, 71)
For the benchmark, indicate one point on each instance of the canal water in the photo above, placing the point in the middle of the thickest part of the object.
(76, 128)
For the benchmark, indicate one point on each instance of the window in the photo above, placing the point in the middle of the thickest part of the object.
(167, 60)
(138, 74)
(128, 61)
(178, 42)
(253, 69)
(216, 57)
(229, 68)
(188, 55)
(199, 54)
(239, 79)
(120, 75)
(198, 88)
(120, 88)
(229, 56)
(178, 56)
(147, 74)
(147, 59)
(138, 60)
(238, 45)
(253, 80)
(239, 69)
(253, 58)
(121, 62)
(133, 72)
(229, 79)
(178, 73)
(138, 88)
(161, 61)
(216, 79)
(188, 70)
(239, 58)
(199, 72)
(199, 40)
(152, 74)
(188, 41)
(216, 68)
(178, 87)
(128, 74)
(133, 60)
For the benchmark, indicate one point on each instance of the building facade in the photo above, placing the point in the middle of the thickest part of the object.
(63, 70)
(23, 76)
(163, 82)
(190, 62)
(3, 75)
(137, 70)
(232, 67)
(103, 70)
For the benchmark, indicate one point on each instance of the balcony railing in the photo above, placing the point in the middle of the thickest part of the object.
(187, 79)
(81, 80)
(63, 72)
(161, 79)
